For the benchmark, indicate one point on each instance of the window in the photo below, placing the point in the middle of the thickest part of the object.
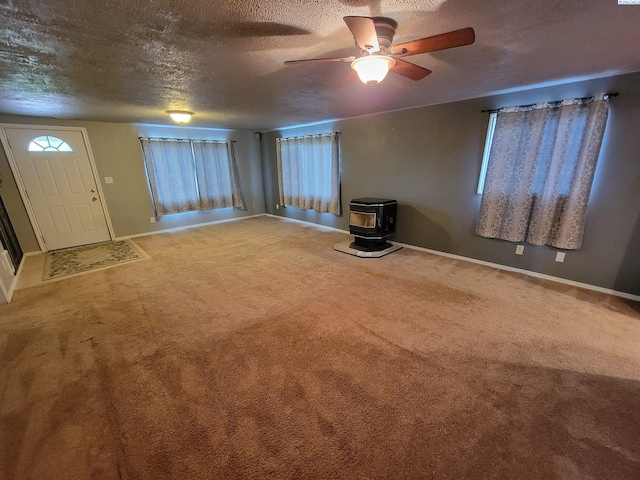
(309, 172)
(48, 143)
(540, 168)
(487, 149)
(191, 175)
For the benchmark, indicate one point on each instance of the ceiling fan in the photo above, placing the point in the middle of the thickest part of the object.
(374, 36)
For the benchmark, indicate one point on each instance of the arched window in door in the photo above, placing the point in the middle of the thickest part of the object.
(48, 143)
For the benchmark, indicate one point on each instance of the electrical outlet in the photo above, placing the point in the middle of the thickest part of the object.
(152, 219)
(277, 206)
(560, 257)
(520, 250)
(108, 179)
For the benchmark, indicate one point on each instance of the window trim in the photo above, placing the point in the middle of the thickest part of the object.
(491, 127)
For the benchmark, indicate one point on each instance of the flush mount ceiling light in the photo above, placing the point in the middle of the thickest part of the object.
(373, 68)
(180, 116)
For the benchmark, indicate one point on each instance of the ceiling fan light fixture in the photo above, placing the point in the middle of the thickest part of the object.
(180, 116)
(372, 69)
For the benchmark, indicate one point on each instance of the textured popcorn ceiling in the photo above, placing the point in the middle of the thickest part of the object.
(131, 60)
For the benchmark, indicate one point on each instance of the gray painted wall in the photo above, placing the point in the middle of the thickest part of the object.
(117, 153)
(429, 160)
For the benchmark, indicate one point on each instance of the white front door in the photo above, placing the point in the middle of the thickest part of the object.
(60, 185)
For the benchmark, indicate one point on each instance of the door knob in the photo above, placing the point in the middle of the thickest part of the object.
(94, 199)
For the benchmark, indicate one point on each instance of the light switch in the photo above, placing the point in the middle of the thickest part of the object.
(108, 179)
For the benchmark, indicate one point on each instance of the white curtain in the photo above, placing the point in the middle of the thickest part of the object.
(171, 175)
(541, 168)
(309, 172)
(217, 176)
(191, 175)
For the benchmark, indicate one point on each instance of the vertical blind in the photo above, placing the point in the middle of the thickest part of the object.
(191, 175)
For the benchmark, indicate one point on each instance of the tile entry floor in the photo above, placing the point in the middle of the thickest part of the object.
(31, 273)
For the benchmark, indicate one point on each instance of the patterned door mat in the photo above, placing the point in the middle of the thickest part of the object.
(88, 258)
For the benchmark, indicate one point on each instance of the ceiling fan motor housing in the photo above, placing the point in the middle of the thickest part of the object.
(385, 29)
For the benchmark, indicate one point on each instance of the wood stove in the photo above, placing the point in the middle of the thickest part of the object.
(371, 222)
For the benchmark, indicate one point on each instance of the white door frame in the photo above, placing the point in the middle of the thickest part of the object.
(21, 188)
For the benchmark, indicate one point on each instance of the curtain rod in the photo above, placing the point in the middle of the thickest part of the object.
(309, 135)
(188, 139)
(312, 134)
(606, 97)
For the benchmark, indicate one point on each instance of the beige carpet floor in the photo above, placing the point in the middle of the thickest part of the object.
(253, 350)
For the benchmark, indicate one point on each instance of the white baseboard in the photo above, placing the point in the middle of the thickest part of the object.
(542, 276)
(586, 286)
(187, 227)
(322, 227)
(4, 295)
(8, 294)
